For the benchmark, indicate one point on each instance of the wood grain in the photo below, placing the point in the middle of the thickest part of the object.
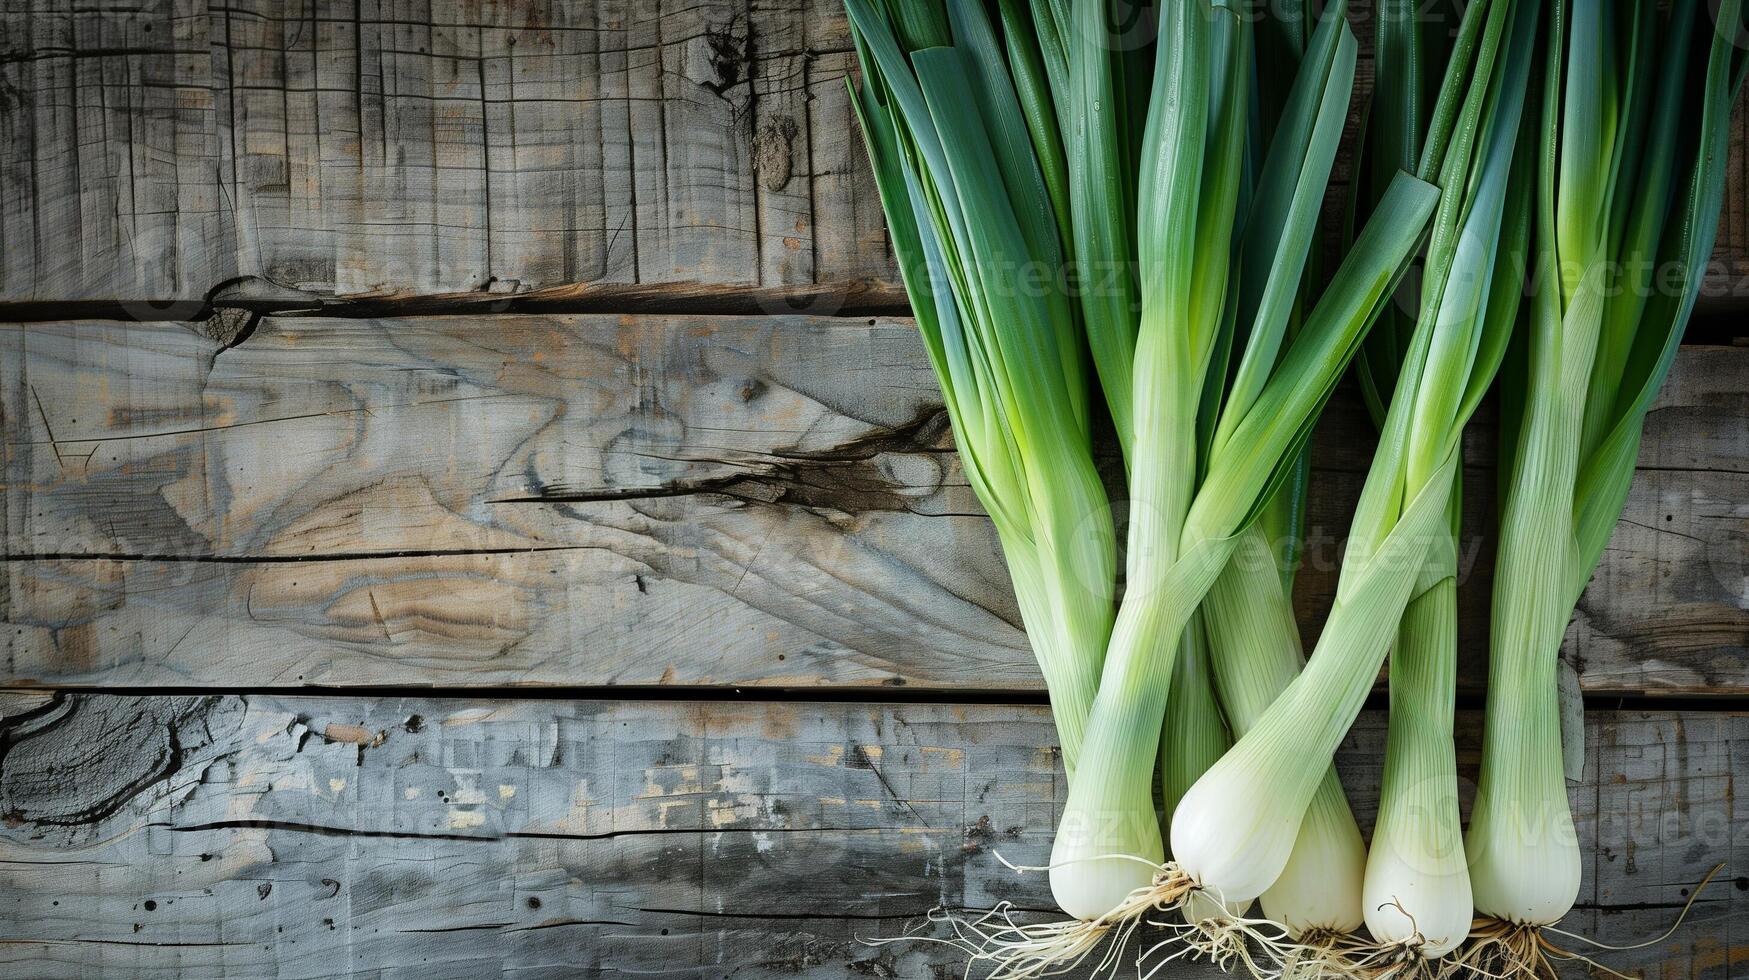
(304, 837)
(375, 147)
(594, 500)
(151, 153)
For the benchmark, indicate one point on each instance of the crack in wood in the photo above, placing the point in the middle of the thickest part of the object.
(802, 916)
(849, 299)
(321, 830)
(170, 558)
(572, 922)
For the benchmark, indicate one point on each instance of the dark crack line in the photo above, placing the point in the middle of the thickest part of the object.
(784, 916)
(322, 830)
(563, 923)
(53, 443)
(1651, 906)
(197, 430)
(892, 691)
(481, 927)
(286, 559)
(865, 760)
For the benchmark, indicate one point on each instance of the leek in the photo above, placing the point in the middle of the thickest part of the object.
(1631, 178)
(1252, 647)
(1417, 890)
(1091, 67)
(938, 106)
(1248, 611)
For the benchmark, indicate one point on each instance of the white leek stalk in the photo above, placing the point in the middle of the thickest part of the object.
(1417, 879)
(1189, 185)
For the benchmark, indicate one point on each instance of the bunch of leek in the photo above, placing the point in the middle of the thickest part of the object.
(1236, 829)
(1203, 474)
(1184, 213)
(1631, 179)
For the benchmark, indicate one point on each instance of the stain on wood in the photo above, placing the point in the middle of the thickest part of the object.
(649, 500)
(696, 839)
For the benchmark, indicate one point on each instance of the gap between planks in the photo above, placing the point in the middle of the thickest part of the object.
(851, 299)
(1378, 700)
(1719, 324)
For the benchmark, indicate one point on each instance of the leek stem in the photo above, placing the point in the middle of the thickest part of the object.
(1417, 878)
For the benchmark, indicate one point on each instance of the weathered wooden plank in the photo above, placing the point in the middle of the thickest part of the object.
(303, 837)
(371, 146)
(606, 500)
(150, 153)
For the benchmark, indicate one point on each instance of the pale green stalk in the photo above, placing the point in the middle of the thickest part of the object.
(1194, 734)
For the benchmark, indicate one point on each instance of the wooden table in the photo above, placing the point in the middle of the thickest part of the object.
(472, 505)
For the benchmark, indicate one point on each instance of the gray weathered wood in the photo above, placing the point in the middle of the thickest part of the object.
(150, 152)
(310, 837)
(605, 500)
(375, 147)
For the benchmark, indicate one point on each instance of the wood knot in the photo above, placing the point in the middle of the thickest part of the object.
(729, 52)
(230, 326)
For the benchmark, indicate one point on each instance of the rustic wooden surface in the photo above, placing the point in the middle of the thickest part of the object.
(608, 500)
(719, 479)
(314, 837)
(153, 150)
